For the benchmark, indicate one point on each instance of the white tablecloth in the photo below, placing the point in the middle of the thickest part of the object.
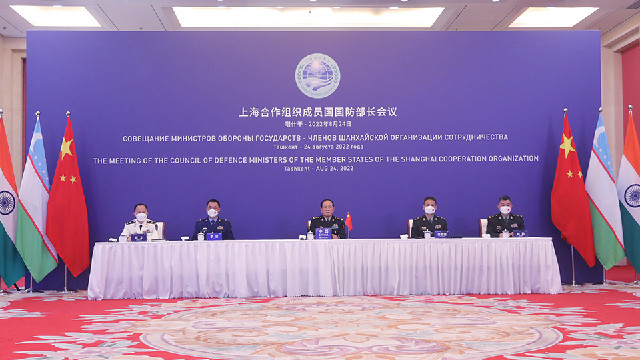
(267, 268)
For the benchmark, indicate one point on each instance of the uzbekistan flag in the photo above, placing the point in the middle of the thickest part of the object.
(629, 194)
(11, 265)
(32, 242)
(603, 201)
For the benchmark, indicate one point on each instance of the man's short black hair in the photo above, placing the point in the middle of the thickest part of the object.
(322, 203)
(504, 198)
(215, 201)
(430, 198)
(140, 204)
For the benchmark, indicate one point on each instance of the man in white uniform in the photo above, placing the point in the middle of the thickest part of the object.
(140, 225)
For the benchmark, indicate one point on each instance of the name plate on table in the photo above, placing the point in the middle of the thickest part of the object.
(520, 233)
(138, 237)
(214, 236)
(441, 234)
(323, 233)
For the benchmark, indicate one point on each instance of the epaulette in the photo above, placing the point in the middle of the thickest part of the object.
(130, 222)
(316, 217)
(520, 216)
(492, 216)
(204, 219)
(440, 217)
(418, 218)
(339, 218)
(221, 219)
(150, 221)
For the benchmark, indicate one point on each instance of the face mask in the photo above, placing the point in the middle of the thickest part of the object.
(141, 217)
(505, 210)
(212, 213)
(429, 210)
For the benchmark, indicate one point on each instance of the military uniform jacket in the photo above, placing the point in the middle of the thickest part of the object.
(422, 224)
(335, 224)
(207, 226)
(496, 224)
(148, 227)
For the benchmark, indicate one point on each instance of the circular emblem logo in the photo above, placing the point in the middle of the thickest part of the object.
(632, 195)
(7, 202)
(317, 76)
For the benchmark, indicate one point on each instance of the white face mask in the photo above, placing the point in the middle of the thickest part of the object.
(141, 217)
(505, 210)
(429, 210)
(212, 213)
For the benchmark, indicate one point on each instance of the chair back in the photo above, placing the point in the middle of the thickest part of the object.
(482, 227)
(160, 227)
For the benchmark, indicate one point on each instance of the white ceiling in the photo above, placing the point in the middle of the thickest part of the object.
(459, 15)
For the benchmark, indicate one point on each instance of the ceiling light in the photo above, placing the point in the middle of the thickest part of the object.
(65, 16)
(557, 17)
(321, 17)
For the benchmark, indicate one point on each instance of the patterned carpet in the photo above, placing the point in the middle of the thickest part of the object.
(584, 322)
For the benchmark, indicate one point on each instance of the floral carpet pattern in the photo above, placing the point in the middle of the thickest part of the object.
(584, 322)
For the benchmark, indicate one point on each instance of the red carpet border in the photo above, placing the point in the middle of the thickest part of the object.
(584, 322)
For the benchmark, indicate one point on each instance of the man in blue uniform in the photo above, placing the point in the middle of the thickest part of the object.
(213, 223)
(327, 220)
(429, 221)
(504, 220)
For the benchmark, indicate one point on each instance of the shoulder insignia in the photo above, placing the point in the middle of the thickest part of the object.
(337, 218)
(130, 222)
(518, 216)
(150, 221)
(418, 218)
(440, 217)
(316, 217)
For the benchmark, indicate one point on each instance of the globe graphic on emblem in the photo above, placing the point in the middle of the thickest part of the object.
(7, 202)
(317, 74)
(632, 195)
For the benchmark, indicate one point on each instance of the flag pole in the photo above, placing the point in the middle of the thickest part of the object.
(65, 291)
(573, 268)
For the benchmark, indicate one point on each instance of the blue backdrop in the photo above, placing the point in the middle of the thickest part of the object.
(172, 119)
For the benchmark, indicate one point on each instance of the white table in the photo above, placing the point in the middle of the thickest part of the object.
(267, 268)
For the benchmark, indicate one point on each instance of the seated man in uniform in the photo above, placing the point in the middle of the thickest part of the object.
(429, 221)
(504, 220)
(327, 220)
(141, 225)
(213, 223)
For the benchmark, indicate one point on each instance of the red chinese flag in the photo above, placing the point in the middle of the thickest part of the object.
(67, 222)
(348, 222)
(569, 201)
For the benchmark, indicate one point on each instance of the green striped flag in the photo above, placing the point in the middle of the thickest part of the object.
(11, 265)
(603, 201)
(629, 194)
(32, 242)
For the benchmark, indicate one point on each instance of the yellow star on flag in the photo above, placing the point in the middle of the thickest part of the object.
(65, 148)
(566, 145)
(570, 174)
(73, 179)
(62, 178)
(580, 173)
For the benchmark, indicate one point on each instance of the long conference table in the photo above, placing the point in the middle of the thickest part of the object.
(275, 268)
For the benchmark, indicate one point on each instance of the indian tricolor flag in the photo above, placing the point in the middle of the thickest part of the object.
(629, 194)
(11, 265)
(603, 201)
(31, 240)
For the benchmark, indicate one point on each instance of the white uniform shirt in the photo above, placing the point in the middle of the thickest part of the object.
(148, 227)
